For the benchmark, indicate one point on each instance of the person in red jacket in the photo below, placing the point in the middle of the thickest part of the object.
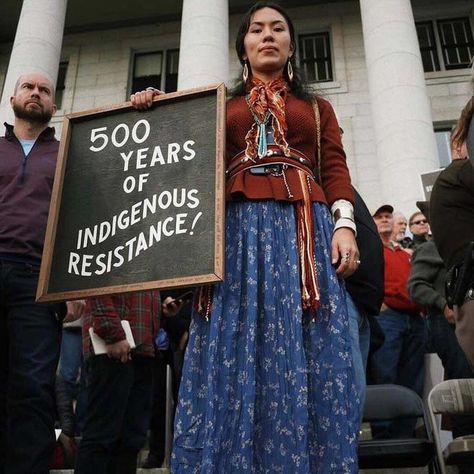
(400, 360)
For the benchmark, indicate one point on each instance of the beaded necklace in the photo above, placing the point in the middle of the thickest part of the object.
(262, 130)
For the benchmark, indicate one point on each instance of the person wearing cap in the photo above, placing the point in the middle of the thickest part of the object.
(452, 223)
(400, 360)
(419, 227)
(426, 287)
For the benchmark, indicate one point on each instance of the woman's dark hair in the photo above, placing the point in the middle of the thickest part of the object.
(298, 85)
(460, 130)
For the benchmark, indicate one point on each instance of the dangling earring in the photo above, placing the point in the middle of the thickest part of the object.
(290, 70)
(245, 72)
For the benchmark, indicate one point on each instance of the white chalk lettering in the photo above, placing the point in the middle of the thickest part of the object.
(105, 230)
(142, 179)
(123, 220)
(161, 200)
(126, 159)
(157, 157)
(126, 135)
(86, 263)
(118, 256)
(101, 264)
(180, 221)
(149, 206)
(187, 147)
(129, 244)
(135, 214)
(141, 245)
(141, 156)
(90, 236)
(176, 198)
(146, 124)
(74, 259)
(194, 201)
(173, 150)
(129, 184)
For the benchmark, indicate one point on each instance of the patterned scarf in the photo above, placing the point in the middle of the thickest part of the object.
(266, 100)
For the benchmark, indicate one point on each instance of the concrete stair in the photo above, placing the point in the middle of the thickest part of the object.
(139, 471)
(451, 470)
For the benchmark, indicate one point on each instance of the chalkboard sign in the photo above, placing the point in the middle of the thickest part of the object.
(427, 181)
(138, 198)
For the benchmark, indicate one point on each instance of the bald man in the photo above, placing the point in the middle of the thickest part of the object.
(29, 332)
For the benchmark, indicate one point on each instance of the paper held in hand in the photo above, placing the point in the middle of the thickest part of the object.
(99, 345)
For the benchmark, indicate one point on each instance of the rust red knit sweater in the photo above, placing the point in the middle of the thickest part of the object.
(301, 135)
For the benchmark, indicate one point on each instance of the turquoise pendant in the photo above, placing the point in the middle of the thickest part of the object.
(262, 140)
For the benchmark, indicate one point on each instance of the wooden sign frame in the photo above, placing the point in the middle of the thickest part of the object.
(43, 292)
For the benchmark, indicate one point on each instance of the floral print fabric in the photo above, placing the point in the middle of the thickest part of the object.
(266, 388)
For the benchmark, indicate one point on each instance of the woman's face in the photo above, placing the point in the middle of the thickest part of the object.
(267, 44)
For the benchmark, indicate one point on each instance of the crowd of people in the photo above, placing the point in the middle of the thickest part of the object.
(320, 295)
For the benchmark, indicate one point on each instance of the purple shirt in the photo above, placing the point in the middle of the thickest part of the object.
(25, 192)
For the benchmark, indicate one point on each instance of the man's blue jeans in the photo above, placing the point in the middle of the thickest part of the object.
(360, 342)
(30, 336)
(71, 367)
(400, 360)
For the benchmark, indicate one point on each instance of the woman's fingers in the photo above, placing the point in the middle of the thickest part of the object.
(143, 100)
(347, 252)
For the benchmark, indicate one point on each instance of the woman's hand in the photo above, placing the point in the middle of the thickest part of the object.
(143, 100)
(345, 251)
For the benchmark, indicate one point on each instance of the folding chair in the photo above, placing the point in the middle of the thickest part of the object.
(452, 397)
(392, 402)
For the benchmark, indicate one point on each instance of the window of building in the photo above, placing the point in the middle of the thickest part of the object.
(443, 143)
(456, 42)
(429, 52)
(148, 70)
(61, 84)
(445, 44)
(315, 57)
(172, 59)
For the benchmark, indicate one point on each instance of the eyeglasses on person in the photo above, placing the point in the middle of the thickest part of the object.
(418, 222)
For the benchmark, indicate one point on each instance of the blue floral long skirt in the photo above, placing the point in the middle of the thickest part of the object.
(266, 388)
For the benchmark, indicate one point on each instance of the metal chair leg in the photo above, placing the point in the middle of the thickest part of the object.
(168, 416)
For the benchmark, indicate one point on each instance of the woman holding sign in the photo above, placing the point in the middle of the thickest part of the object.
(268, 380)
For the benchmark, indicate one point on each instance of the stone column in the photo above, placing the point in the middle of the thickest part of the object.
(204, 45)
(37, 46)
(401, 110)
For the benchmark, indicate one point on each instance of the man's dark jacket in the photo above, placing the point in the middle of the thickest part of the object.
(366, 285)
(26, 184)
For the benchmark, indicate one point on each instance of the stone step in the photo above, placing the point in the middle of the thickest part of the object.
(450, 470)
(139, 471)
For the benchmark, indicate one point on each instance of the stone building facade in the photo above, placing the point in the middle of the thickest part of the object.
(394, 70)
